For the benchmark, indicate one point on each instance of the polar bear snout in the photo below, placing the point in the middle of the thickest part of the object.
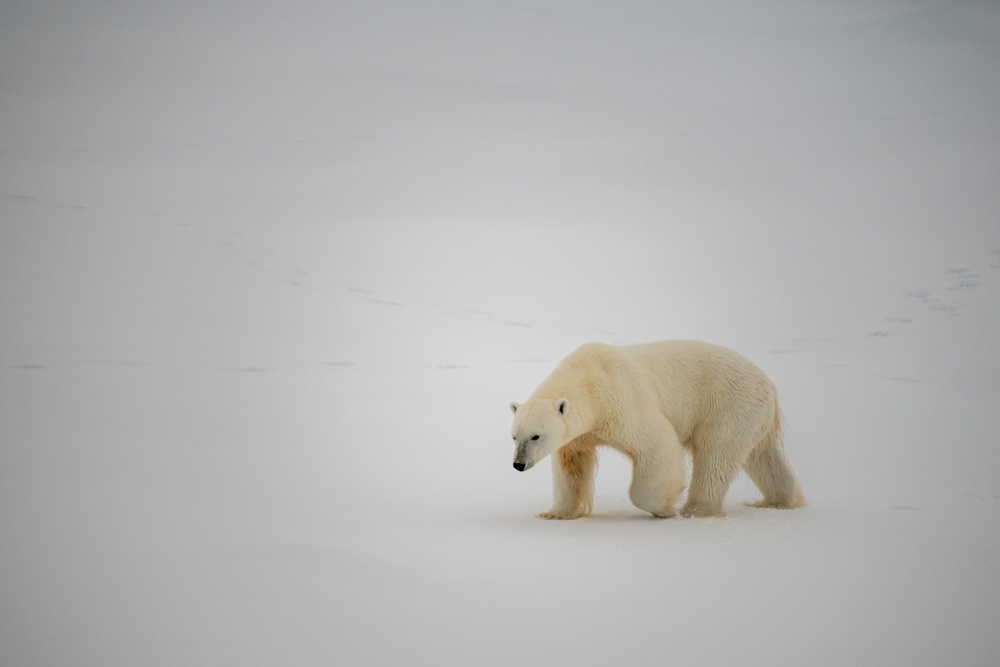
(522, 461)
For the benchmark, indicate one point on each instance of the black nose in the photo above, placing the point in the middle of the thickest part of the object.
(518, 465)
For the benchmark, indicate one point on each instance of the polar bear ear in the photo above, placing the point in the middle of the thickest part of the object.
(514, 407)
(562, 406)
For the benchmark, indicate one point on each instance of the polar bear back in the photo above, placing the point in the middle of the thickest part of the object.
(699, 387)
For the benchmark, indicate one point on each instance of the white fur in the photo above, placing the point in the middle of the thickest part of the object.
(656, 403)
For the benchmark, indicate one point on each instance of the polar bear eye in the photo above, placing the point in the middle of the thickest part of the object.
(535, 437)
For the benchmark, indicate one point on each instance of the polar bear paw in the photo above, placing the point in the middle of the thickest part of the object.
(564, 515)
(779, 503)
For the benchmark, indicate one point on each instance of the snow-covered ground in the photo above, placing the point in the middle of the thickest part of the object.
(270, 274)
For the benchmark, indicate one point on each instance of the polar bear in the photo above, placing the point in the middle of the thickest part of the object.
(655, 403)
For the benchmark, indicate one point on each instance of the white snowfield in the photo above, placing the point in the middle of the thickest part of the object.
(270, 275)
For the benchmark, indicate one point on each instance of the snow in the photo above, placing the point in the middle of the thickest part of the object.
(270, 275)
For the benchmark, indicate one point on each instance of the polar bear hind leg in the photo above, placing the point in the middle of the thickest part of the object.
(770, 471)
(713, 471)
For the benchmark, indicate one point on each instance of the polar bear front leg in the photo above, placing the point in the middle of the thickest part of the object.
(658, 473)
(573, 468)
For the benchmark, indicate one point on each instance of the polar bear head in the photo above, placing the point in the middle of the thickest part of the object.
(539, 430)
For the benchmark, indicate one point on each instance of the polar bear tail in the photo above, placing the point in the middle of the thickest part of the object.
(771, 472)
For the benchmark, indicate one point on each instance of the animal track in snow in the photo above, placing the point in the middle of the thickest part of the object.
(285, 271)
(881, 333)
(932, 303)
(967, 279)
(981, 498)
(382, 302)
(942, 301)
(28, 199)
